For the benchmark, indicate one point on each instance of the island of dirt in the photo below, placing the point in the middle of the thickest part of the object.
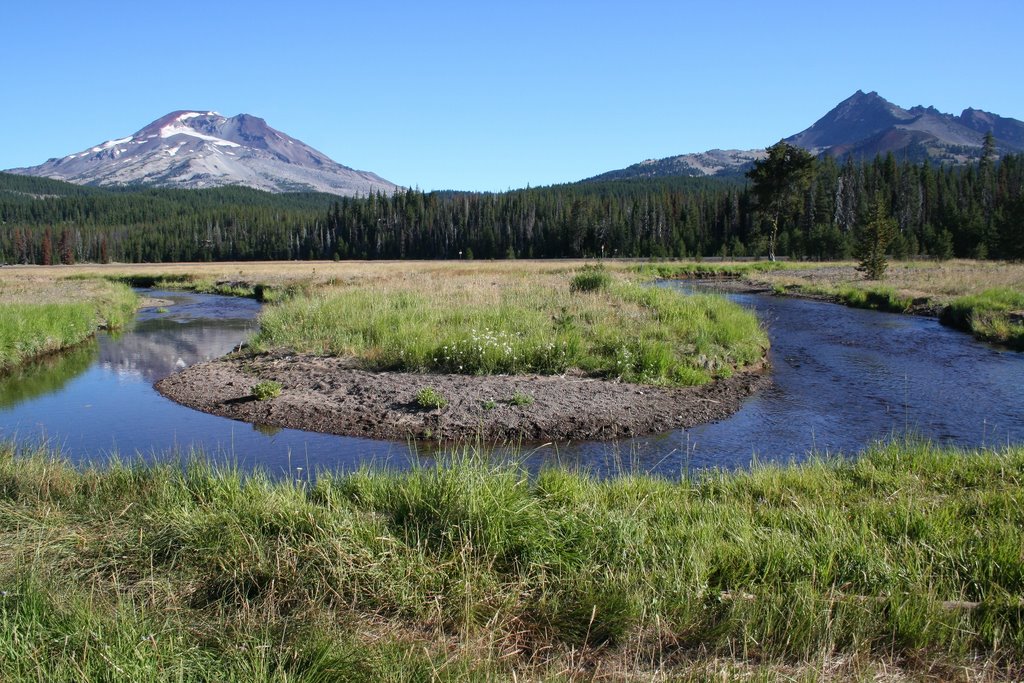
(332, 395)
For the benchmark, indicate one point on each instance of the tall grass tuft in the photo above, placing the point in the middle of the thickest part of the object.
(591, 278)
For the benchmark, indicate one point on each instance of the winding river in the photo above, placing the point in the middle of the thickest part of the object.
(843, 378)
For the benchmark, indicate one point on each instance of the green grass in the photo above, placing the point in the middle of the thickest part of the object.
(699, 270)
(988, 316)
(624, 331)
(29, 331)
(878, 298)
(477, 571)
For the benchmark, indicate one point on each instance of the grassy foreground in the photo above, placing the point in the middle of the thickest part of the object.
(41, 316)
(549, 323)
(905, 563)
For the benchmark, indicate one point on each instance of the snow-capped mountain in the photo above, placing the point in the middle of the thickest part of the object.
(196, 149)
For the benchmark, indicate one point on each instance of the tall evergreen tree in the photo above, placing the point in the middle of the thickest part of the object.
(780, 181)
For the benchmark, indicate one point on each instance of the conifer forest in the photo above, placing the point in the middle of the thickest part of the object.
(941, 211)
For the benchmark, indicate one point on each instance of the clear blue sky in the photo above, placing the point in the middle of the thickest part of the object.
(489, 96)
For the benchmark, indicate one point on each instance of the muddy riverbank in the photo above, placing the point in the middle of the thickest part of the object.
(332, 395)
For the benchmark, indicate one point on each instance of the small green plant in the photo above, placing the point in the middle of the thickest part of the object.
(591, 279)
(520, 399)
(266, 390)
(490, 405)
(428, 397)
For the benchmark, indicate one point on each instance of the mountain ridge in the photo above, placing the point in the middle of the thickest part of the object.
(861, 126)
(193, 149)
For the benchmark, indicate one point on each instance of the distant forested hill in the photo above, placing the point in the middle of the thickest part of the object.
(152, 225)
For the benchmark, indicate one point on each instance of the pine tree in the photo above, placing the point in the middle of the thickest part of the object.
(780, 180)
(873, 239)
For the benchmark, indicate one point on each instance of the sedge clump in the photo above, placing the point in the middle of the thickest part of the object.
(590, 279)
(520, 399)
(428, 397)
(266, 390)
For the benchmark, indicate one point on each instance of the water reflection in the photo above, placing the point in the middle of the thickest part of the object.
(47, 375)
(158, 347)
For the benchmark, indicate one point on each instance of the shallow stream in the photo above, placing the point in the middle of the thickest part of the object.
(843, 378)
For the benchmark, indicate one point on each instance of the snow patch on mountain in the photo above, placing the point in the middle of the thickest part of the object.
(171, 131)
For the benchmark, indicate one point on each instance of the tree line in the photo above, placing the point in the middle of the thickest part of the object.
(974, 210)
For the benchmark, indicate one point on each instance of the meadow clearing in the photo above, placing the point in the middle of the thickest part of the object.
(902, 564)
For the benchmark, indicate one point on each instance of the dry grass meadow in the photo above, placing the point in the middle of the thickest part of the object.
(292, 272)
(938, 280)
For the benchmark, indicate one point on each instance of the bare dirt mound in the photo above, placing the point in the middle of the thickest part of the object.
(332, 396)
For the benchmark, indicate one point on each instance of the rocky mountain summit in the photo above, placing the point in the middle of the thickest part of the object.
(199, 149)
(861, 126)
(866, 124)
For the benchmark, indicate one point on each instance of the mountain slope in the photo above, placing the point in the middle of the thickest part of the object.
(861, 126)
(192, 149)
(858, 117)
(711, 163)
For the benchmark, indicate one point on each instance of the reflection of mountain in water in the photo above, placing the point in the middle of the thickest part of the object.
(46, 375)
(158, 347)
